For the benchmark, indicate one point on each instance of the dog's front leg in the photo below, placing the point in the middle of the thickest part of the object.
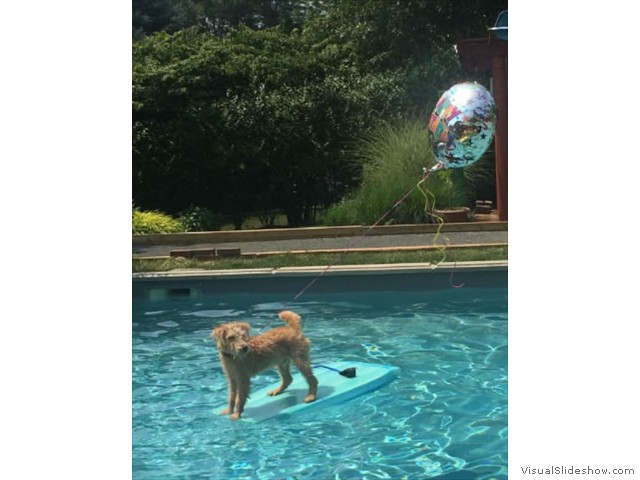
(244, 386)
(233, 393)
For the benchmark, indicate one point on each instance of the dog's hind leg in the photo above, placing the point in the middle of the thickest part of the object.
(285, 376)
(304, 365)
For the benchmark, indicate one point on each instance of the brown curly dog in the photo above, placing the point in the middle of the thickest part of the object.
(243, 356)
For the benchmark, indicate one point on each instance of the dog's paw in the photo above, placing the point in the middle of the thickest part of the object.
(309, 398)
(235, 416)
(226, 411)
(275, 392)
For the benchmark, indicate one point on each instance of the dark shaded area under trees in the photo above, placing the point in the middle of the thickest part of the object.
(246, 107)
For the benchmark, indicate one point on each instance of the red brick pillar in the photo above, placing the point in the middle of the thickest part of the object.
(499, 73)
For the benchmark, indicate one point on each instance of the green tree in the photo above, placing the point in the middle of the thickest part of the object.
(219, 17)
(257, 118)
(236, 117)
(151, 16)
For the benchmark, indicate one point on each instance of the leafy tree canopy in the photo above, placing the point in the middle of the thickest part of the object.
(255, 106)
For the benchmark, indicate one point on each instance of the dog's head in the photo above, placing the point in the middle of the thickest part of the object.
(232, 338)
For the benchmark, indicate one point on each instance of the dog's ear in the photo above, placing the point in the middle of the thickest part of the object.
(245, 326)
(218, 333)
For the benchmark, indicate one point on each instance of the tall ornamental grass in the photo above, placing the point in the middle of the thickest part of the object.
(392, 160)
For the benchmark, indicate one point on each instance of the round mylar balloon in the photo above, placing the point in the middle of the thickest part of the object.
(462, 125)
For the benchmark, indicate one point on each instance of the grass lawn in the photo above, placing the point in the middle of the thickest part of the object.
(321, 259)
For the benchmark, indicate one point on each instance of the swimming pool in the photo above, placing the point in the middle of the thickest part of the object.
(444, 417)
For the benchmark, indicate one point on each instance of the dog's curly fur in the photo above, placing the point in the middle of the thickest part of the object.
(243, 356)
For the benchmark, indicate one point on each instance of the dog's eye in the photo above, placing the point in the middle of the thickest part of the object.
(231, 338)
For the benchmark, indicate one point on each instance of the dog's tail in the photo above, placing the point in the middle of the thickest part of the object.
(290, 318)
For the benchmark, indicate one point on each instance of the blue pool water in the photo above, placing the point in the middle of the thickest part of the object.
(444, 417)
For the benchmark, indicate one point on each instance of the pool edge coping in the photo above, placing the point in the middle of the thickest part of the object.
(231, 236)
(331, 270)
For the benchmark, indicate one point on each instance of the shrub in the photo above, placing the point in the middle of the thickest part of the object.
(200, 219)
(154, 222)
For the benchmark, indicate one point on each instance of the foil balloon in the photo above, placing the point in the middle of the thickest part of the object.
(462, 125)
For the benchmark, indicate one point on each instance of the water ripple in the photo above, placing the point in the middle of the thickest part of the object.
(445, 417)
